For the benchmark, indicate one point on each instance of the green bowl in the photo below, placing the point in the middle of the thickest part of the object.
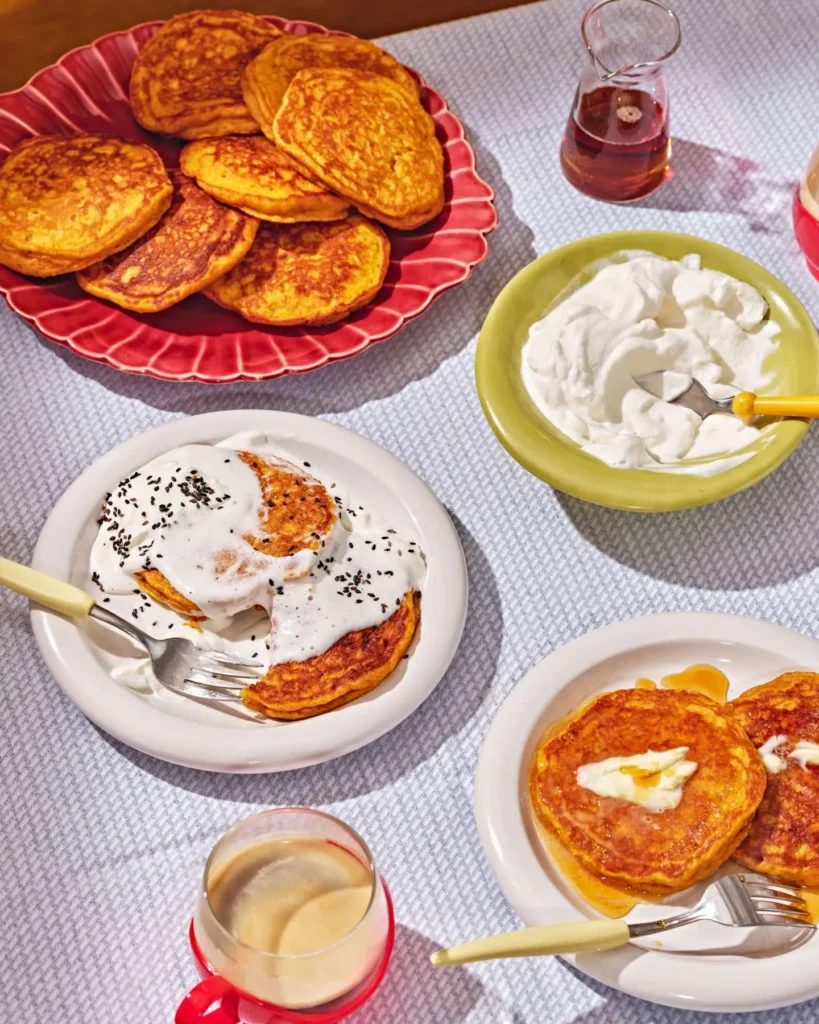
(548, 453)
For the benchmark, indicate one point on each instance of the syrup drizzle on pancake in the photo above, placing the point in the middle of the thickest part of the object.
(704, 679)
(605, 899)
(811, 897)
(701, 678)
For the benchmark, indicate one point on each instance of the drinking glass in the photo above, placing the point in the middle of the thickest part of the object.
(243, 984)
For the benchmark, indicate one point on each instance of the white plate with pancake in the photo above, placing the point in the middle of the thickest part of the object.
(81, 657)
(703, 967)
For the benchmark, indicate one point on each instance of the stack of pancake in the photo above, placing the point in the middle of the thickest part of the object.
(731, 806)
(301, 148)
(297, 513)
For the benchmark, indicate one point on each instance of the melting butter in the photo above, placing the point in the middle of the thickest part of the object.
(653, 780)
(804, 751)
(774, 764)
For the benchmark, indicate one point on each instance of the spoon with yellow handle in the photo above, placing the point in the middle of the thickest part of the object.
(743, 900)
(744, 404)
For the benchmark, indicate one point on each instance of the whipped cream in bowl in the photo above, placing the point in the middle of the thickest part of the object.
(639, 313)
(560, 348)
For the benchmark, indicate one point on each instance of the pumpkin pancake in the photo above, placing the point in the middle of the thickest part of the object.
(306, 273)
(187, 79)
(267, 77)
(249, 172)
(784, 836)
(353, 666)
(296, 513)
(625, 843)
(69, 201)
(157, 586)
(366, 138)
(196, 241)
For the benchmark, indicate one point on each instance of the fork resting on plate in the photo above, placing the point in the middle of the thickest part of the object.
(739, 901)
(177, 663)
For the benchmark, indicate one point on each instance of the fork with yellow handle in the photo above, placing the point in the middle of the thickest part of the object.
(743, 900)
(744, 404)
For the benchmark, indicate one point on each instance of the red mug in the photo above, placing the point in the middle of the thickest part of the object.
(806, 229)
(219, 1000)
(806, 214)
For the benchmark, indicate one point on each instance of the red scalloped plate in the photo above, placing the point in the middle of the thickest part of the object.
(196, 340)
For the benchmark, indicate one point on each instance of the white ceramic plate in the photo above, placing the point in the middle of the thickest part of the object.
(188, 733)
(704, 967)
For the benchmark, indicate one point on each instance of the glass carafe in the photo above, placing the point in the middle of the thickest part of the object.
(617, 145)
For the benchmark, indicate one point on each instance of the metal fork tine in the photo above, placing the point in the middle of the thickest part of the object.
(774, 887)
(222, 692)
(225, 672)
(796, 916)
(230, 659)
(189, 688)
(779, 901)
(204, 678)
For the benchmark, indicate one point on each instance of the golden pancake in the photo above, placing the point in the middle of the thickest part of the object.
(68, 201)
(626, 844)
(267, 77)
(353, 666)
(187, 79)
(195, 242)
(296, 513)
(784, 836)
(366, 138)
(306, 273)
(249, 172)
(157, 586)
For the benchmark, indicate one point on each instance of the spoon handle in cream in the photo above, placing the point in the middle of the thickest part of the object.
(47, 590)
(745, 405)
(571, 937)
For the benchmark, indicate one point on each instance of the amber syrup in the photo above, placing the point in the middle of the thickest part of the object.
(616, 145)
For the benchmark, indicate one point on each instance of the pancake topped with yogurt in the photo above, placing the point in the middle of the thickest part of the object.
(269, 561)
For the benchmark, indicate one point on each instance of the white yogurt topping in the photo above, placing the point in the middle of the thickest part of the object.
(805, 752)
(187, 513)
(653, 780)
(639, 314)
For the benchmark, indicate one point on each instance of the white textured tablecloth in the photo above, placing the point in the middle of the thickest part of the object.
(102, 847)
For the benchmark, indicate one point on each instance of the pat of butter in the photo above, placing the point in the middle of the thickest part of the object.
(653, 780)
(774, 764)
(804, 751)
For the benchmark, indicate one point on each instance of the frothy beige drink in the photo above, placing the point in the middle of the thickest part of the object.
(305, 917)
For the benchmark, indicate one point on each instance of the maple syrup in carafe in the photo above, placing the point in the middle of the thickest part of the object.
(616, 146)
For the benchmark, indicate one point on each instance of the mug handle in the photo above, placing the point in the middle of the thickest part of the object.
(203, 1004)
